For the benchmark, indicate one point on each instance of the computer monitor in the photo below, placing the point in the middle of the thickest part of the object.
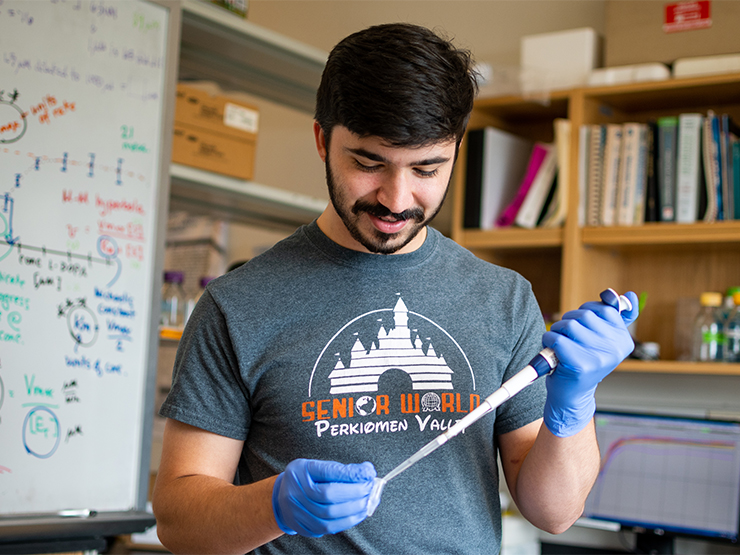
(664, 476)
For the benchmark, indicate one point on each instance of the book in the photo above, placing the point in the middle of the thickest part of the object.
(712, 166)
(550, 200)
(536, 157)
(724, 168)
(558, 207)
(631, 171)
(638, 214)
(596, 146)
(733, 171)
(496, 161)
(534, 202)
(666, 169)
(473, 179)
(728, 129)
(688, 167)
(584, 139)
(652, 160)
(735, 146)
(612, 156)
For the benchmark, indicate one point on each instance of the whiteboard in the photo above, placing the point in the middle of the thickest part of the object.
(84, 141)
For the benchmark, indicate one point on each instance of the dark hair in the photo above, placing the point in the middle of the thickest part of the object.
(401, 82)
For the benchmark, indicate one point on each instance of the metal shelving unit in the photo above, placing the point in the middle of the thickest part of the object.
(240, 201)
(237, 54)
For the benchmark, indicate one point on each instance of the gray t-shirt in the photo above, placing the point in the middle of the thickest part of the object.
(311, 350)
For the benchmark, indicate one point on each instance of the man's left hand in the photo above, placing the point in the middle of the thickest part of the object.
(589, 343)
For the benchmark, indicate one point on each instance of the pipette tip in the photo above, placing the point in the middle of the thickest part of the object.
(374, 499)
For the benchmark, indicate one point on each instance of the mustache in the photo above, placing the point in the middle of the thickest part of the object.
(380, 211)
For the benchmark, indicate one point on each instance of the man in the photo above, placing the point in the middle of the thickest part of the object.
(341, 351)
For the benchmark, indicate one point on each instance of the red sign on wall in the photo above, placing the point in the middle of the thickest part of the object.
(686, 16)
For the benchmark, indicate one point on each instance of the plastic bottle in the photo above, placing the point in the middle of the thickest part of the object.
(173, 300)
(707, 333)
(728, 303)
(191, 302)
(731, 350)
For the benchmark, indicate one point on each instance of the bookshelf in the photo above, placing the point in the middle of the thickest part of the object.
(571, 265)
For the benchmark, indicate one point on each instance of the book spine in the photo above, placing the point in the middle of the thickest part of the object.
(736, 175)
(557, 204)
(473, 179)
(688, 167)
(643, 154)
(595, 174)
(612, 153)
(667, 144)
(531, 208)
(719, 187)
(627, 174)
(584, 141)
(733, 164)
(725, 169)
(652, 195)
(710, 161)
(507, 217)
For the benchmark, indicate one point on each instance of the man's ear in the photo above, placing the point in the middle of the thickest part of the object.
(320, 140)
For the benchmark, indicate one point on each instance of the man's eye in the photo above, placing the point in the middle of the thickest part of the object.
(423, 173)
(366, 168)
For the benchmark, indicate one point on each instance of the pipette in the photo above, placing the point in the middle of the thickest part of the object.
(541, 365)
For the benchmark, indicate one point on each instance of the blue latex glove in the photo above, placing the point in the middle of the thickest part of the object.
(313, 498)
(589, 343)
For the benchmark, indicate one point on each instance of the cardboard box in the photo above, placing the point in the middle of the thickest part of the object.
(647, 31)
(559, 60)
(214, 132)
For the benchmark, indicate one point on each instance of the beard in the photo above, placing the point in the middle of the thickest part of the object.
(377, 241)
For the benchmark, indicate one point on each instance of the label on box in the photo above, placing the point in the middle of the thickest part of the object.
(240, 117)
(687, 16)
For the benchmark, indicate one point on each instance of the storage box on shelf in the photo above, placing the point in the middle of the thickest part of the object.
(572, 265)
(214, 131)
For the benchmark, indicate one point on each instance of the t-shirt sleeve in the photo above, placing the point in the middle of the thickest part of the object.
(207, 390)
(527, 405)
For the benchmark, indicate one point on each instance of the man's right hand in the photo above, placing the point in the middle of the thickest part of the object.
(313, 498)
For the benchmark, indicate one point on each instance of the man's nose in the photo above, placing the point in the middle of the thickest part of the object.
(395, 192)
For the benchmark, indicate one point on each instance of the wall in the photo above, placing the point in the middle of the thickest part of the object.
(286, 158)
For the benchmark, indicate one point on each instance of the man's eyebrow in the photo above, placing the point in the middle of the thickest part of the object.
(378, 158)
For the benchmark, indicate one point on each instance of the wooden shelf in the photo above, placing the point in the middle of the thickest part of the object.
(671, 94)
(663, 234)
(680, 367)
(512, 238)
(552, 105)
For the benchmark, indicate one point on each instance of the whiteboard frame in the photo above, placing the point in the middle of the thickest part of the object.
(47, 531)
(168, 122)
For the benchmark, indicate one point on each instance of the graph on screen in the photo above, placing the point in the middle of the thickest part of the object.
(679, 475)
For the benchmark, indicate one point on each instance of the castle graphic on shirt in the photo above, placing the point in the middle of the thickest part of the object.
(385, 370)
(394, 348)
(385, 341)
